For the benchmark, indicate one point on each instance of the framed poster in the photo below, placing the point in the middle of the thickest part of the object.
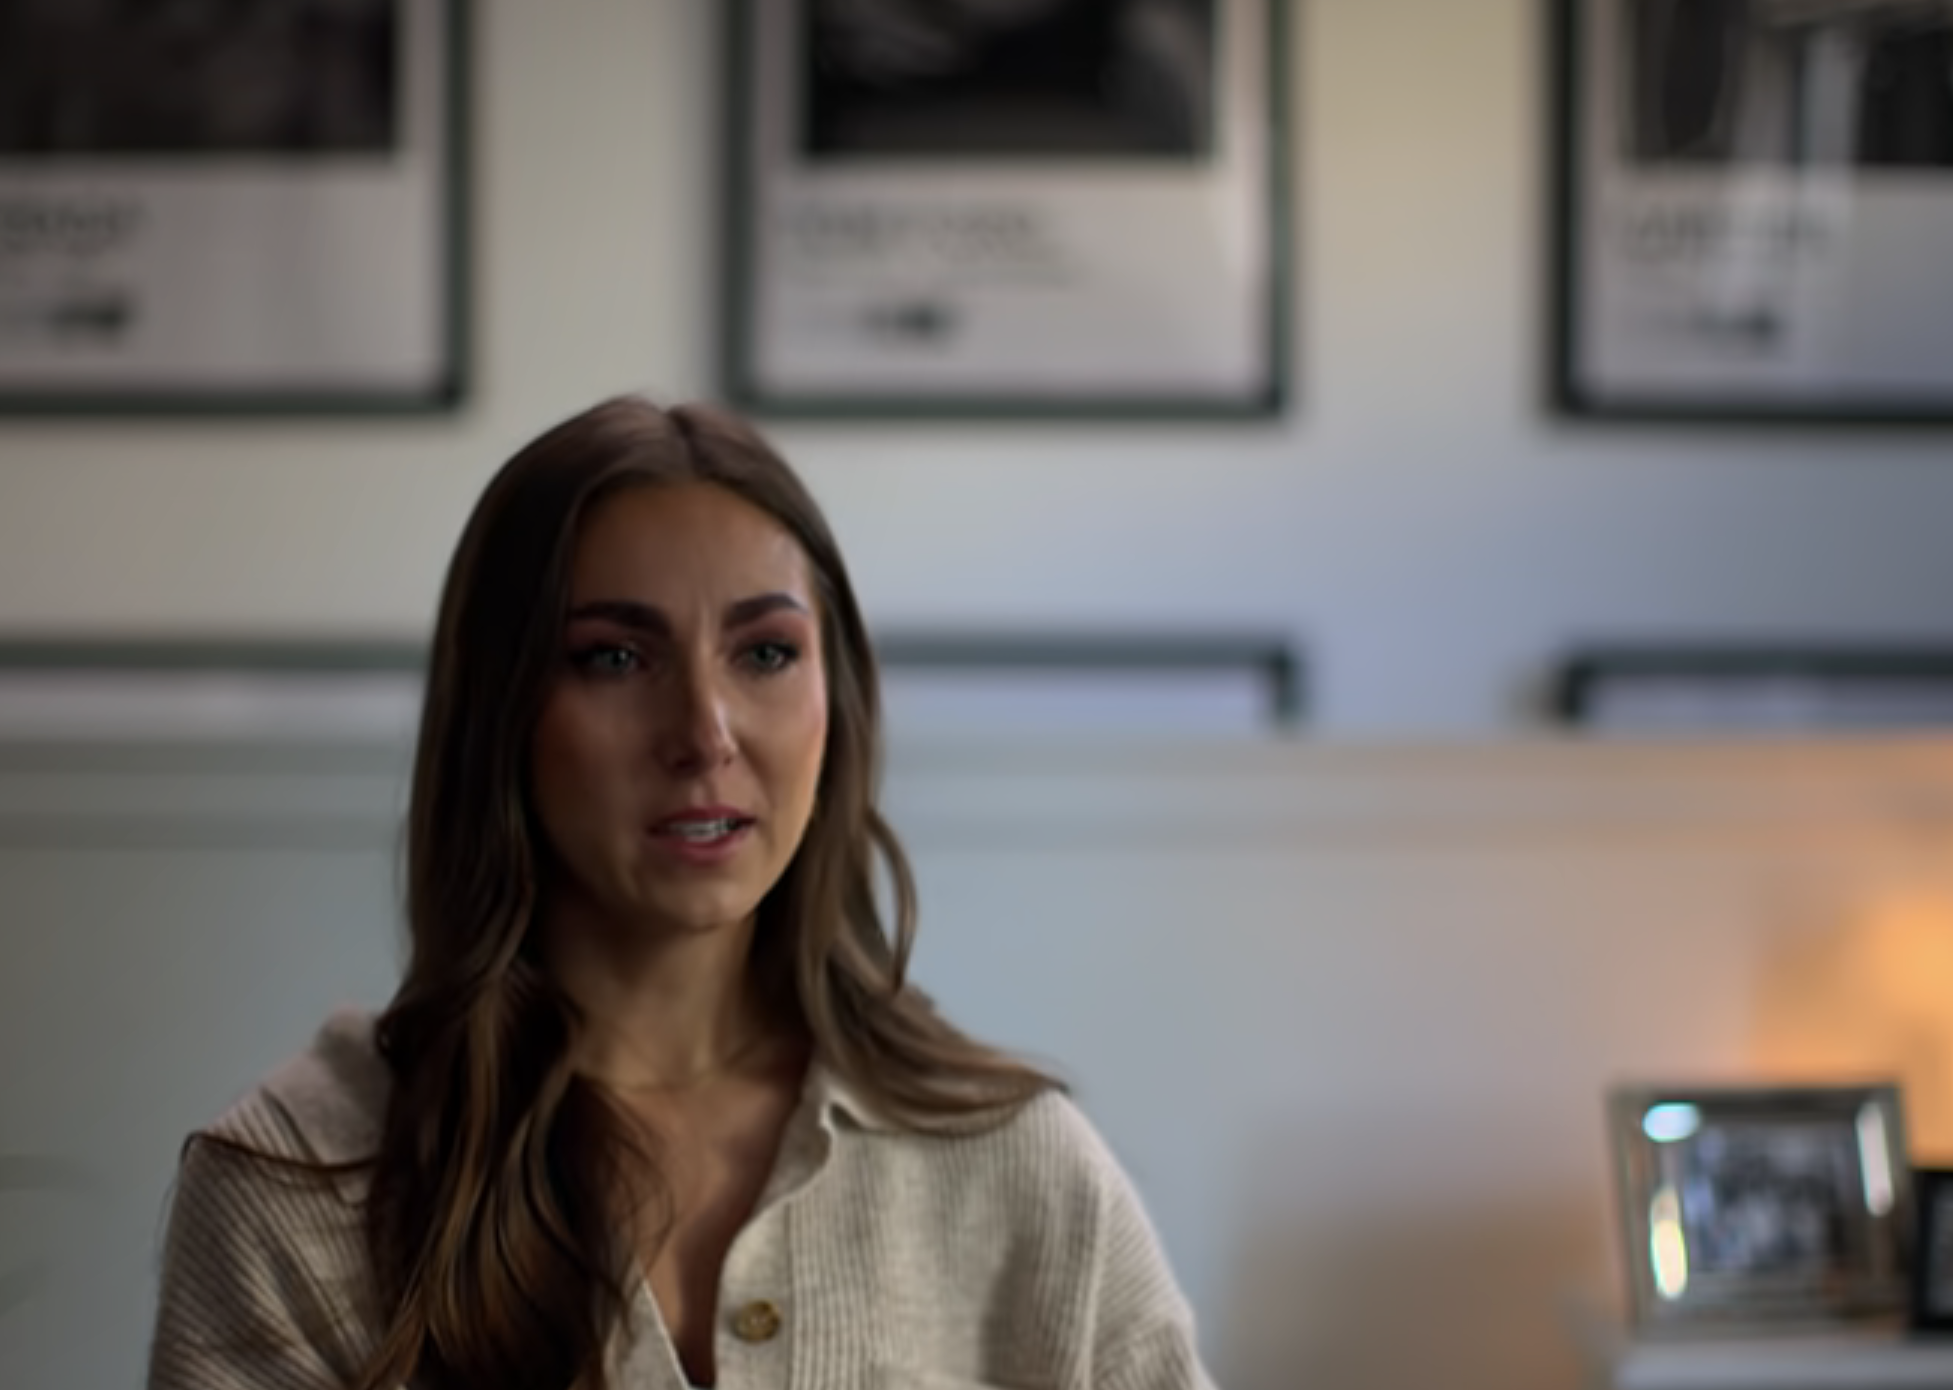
(1754, 211)
(218, 205)
(1005, 207)
(1752, 690)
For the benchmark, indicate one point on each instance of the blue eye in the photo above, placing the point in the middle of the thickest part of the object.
(605, 659)
(769, 657)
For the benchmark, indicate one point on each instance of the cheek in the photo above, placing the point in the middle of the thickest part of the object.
(549, 772)
(814, 736)
(566, 765)
(799, 744)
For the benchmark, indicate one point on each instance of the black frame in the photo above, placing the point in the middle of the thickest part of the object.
(1279, 668)
(1578, 686)
(738, 256)
(1567, 394)
(456, 288)
(1271, 660)
(1931, 1187)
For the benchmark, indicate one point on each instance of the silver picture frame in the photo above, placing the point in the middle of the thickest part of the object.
(1761, 1207)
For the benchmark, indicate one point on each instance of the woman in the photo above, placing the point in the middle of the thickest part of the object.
(653, 1105)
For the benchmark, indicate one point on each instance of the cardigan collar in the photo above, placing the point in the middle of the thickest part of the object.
(335, 1092)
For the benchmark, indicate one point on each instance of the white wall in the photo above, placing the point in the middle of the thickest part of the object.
(1414, 521)
(1347, 1016)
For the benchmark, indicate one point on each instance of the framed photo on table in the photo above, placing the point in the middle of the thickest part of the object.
(232, 205)
(1767, 1207)
(1005, 207)
(1754, 209)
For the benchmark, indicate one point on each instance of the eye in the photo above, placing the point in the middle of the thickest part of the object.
(770, 657)
(605, 659)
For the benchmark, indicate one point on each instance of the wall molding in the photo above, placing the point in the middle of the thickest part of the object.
(1210, 794)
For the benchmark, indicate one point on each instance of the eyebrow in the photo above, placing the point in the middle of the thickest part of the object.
(646, 618)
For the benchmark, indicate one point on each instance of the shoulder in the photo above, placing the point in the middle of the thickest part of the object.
(325, 1105)
(288, 1155)
(1044, 1174)
(1089, 1220)
(1031, 1225)
(1060, 1170)
(1048, 1144)
(264, 1271)
(1047, 1141)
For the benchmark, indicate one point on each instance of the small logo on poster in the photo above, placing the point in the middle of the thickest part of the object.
(923, 322)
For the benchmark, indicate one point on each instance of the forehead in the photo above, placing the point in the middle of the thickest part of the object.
(675, 538)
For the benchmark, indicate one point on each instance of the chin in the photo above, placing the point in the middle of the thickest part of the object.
(696, 918)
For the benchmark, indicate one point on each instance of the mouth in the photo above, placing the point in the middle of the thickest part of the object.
(701, 830)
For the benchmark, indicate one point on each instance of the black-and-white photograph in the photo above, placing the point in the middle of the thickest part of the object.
(1766, 1205)
(187, 78)
(1018, 78)
(1827, 82)
(1006, 207)
(218, 206)
(1753, 209)
(1768, 1198)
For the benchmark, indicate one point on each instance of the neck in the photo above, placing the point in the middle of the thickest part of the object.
(661, 1011)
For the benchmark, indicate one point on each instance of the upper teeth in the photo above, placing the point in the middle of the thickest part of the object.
(701, 829)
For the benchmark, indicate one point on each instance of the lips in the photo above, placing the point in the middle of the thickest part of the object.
(701, 831)
(703, 825)
(702, 838)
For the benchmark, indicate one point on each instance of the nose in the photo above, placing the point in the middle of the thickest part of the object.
(697, 732)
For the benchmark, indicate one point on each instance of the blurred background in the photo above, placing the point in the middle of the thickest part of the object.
(1344, 990)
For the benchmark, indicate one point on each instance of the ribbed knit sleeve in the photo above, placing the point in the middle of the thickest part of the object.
(1164, 1359)
(261, 1283)
(1143, 1327)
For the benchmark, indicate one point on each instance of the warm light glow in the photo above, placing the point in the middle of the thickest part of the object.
(1671, 1123)
(1857, 990)
(1875, 1160)
(1667, 1250)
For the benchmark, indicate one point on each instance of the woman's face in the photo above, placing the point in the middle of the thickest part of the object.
(676, 758)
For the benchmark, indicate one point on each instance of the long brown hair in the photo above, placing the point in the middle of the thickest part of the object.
(493, 1206)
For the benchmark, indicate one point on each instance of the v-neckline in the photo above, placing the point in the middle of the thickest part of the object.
(798, 1158)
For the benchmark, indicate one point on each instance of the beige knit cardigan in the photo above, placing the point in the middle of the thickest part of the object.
(876, 1259)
